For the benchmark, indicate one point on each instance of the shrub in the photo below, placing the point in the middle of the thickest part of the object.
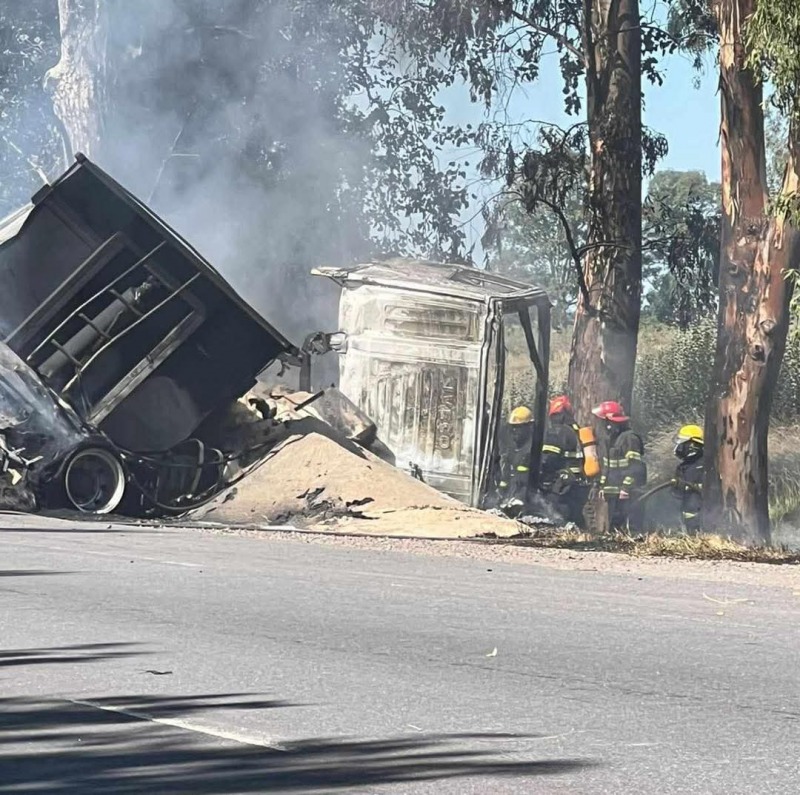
(673, 375)
(672, 379)
(786, 405)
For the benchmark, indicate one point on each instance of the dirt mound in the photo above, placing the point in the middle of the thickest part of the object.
(318, 481)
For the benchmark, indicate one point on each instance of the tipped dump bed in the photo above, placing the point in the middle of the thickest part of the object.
(121, 317)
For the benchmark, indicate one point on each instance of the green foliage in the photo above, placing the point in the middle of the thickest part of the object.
(787, 395)
(538, 240)
(534, 249)
(669, 188)
(680, 249)
(309, 101)
(673, 378)
(693, 26)
(772, 34)
(496, 48)
(659, 298)
(682, 218)
(303, 107)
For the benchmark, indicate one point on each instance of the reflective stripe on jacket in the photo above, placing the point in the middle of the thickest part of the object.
(514, 466)
(561, 453)
(688, 487)
(622, 464)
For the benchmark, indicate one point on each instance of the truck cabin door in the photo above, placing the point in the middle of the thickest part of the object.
(516, 363)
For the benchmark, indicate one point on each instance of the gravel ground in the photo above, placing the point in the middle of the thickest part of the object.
(716, 571)
(781, 576)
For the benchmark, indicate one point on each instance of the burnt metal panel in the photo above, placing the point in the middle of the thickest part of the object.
(439, 278)
(424, 358)
(99, 297)
(413, 365)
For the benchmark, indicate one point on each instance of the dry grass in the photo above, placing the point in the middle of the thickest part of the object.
(652, 338)
(784, 474)
(653, 545)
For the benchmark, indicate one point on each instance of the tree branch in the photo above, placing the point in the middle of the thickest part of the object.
(559, 38)
(574, 251)
(42, 176)
(170, 154)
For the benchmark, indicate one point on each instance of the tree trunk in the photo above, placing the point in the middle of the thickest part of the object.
(606, 328)
(753, 319)
(78, 81)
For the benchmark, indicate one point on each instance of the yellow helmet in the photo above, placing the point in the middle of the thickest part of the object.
(521, 415)
(693, 433)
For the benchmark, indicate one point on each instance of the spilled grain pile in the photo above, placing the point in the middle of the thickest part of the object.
(319, 481)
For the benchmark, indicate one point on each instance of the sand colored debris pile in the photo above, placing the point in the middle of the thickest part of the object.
(322, 482)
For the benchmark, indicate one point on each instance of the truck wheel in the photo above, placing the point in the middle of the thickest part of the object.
(94, 481)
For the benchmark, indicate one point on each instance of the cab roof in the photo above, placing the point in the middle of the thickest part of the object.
(438, 278)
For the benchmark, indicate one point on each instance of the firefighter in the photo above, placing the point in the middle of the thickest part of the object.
(623, 469)
(687, 485)
(562, 480)
(515, 459)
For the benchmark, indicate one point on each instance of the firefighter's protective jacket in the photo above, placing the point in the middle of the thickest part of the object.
(562, 456)
(622, 464)
(687, 485)
(515, 464)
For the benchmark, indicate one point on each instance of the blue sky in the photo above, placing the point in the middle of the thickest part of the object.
(688, 116)
(685, 109)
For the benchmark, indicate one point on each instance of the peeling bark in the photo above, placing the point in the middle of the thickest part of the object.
(78, 81)
(757, 250)
(606, 328)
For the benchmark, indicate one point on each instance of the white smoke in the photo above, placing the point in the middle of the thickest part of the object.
(224, 118)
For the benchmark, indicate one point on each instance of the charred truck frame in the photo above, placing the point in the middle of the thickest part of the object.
(134, 335)
(437, 355)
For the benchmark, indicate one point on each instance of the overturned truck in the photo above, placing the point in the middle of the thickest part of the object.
(437, 355)
(120, 341)
(126, 361)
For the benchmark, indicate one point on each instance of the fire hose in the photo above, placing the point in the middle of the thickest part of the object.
(650, 492)
(594, 493)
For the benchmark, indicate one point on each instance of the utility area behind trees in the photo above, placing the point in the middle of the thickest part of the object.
(283, 137)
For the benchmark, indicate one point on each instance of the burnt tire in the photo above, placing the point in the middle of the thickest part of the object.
(92, 481)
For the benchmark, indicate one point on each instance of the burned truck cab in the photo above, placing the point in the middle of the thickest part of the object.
(438, 355)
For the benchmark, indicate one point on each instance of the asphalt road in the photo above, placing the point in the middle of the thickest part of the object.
(175, 661)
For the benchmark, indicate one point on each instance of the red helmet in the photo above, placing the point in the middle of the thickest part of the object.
(611, 411)
(559, 404)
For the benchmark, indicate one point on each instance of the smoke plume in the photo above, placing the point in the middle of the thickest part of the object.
(229, 119)
(238, 121)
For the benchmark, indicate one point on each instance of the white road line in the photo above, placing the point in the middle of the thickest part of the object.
(182, 724)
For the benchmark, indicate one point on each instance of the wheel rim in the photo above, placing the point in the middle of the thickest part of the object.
(94, 481)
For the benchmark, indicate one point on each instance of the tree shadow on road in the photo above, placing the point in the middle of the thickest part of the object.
(78, 653)
(85, 529)
(62, 746)
(30, 572)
